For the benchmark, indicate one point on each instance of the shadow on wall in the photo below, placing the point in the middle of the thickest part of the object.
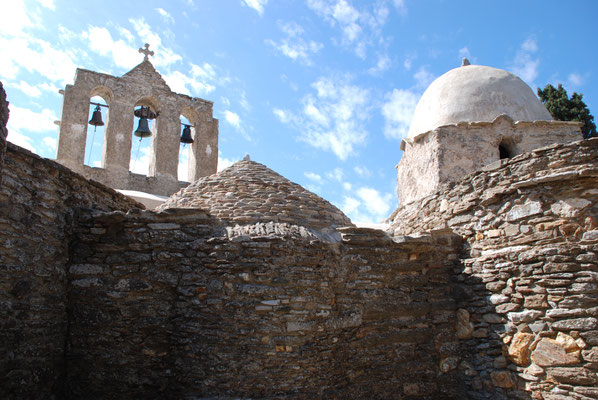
(527, 289)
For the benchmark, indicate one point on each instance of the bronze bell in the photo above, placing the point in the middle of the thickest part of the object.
(143, 129)
(186, 136)
(96, 118)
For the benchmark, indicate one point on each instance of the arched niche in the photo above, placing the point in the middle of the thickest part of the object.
(506, 148)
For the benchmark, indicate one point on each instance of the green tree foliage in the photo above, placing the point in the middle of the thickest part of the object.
(563, 108)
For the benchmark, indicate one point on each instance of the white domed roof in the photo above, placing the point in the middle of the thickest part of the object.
(474, 93)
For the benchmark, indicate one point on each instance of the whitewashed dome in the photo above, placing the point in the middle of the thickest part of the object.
(473, 93)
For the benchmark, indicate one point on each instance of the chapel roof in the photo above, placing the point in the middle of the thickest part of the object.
(473, 93)
(249, 192)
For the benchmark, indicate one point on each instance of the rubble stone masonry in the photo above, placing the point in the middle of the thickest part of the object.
(527, 289)
(39, 200)
(170, 305)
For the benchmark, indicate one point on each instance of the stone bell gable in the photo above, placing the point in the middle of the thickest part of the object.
(142, 86)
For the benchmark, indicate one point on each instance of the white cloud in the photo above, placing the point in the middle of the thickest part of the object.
(126, 34)
(363, 172)
(350, 205)
(293, 45)
(332, 120)
(369, 205)
(200, 80)
(21, 140)
(401, 7)
(165, 15)
(243, 101)
(100, 41)
(375, 202)
(48, 4)
(257, 5)
(179, 82)
(359, 28)
(224, 163)
(576, 79)
(464, 52)
(25, 119)
(524, 64)
(530, 45)
(398, 111)
(314, 177)
(336, 174)
(382, 65)
(423, 77)
(26, 52)
(408, 63)
(50, 142)
(233, 119)
(32, 91)
(205, 71)
(282, 115)
(164, 56)
(15, 18)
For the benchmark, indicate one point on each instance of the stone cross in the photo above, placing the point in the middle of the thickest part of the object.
(146, 51)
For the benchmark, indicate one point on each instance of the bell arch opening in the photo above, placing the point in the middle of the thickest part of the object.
(141, 132)
(188, 117)
(98, 119)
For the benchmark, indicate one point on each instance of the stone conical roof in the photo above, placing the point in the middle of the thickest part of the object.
(248, 192)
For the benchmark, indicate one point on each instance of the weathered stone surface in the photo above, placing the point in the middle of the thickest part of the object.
(40, 202)
(574, 376)
(502, 379)
(464, 328)
(519, 348)
(529, 245)
(549, 352)
(567, 342)
(590, 355)
(238, 191)
(523, 211)
(570, 207)
(4, 113)
(580, 324)
(590, 337)
(524, 316)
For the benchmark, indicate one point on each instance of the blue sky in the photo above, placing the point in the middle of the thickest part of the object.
(321, 91)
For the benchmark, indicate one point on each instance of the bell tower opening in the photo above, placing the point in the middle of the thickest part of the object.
(188, 130)
(97, 122)
(144, 128)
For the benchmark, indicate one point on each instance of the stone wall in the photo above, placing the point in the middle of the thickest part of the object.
(173, 305)
(3, 121)
(527, 290)
(39, 200)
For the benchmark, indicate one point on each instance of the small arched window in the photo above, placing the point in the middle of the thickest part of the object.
(504, 152)
(505, 149)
